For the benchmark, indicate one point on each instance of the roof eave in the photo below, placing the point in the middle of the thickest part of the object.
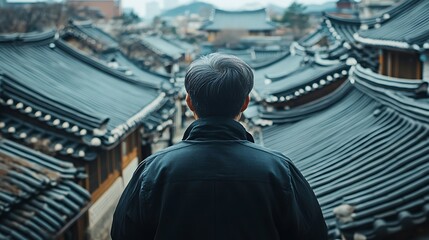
(138, 117)
(387, 43)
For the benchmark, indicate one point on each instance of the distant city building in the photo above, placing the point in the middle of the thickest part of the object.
(369, 8)
(152, 9)
(226, 24)
(108, 8)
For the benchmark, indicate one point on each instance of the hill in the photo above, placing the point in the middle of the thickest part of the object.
(201, 8)
(328, 6)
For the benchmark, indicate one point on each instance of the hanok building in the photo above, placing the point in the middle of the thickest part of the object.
(347, 8)
(334, 38)
(370, 8)
(95, 42)
(59, 101)
(299, 76)
(39, 196)
(88, 38)
(402, 41)
(161, 54)
(238, 23)
(363, 146)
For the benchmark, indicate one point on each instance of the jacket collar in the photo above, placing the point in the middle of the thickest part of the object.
(216, 128)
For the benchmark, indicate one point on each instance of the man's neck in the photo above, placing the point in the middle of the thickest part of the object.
(236, 118)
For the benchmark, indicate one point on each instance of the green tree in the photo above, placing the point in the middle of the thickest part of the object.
(296, 18)
(130, 17)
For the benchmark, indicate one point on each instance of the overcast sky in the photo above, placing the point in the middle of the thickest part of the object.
(139, 5)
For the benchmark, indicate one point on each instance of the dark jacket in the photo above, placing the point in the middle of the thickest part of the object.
(218, 184)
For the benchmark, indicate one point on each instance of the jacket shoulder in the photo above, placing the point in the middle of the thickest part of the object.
(167, 150)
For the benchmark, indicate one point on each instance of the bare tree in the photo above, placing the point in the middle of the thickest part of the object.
(38, 16)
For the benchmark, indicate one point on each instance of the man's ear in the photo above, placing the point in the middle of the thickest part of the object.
(189, 103)
(245, 104)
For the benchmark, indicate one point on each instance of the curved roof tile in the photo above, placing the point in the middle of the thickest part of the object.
(255, 20)
(363, 151)
(40, 78)
(38, 193)
(407, 29)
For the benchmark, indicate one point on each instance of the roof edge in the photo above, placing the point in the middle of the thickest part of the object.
(389, 43)
(139, 116)
(240, 11)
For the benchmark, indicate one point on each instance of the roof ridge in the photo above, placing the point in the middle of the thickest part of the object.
(303, 111)
(28, 37)
(241, 11)
(97, 64)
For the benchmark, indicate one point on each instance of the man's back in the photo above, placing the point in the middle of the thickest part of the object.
(217, 184)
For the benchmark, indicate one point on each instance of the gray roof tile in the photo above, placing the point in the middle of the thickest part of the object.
(256, 20)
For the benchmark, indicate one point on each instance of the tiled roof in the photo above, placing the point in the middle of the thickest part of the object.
(117, 61)
(38, 195)
(292, 76)
(342, 29)
(187, 47)
(264, 117)
(111, 55)
(39, 78)
(366, 76)
(44, 140)
(363, 149)
(407, 28)
(308, 78)
(341, 33)
(88, 30)
(316, 36)
(256, 20)
(256, 58)
(310, 67)
(163, 47)
(286, 63)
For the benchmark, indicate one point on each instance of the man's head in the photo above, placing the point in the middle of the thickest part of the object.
(218, 85)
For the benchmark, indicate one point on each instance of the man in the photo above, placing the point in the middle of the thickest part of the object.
(216, 183)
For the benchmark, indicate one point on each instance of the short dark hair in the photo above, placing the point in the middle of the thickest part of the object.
(218, 85)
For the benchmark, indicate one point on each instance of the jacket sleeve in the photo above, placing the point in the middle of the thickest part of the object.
(306, 219)
(126, 219)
